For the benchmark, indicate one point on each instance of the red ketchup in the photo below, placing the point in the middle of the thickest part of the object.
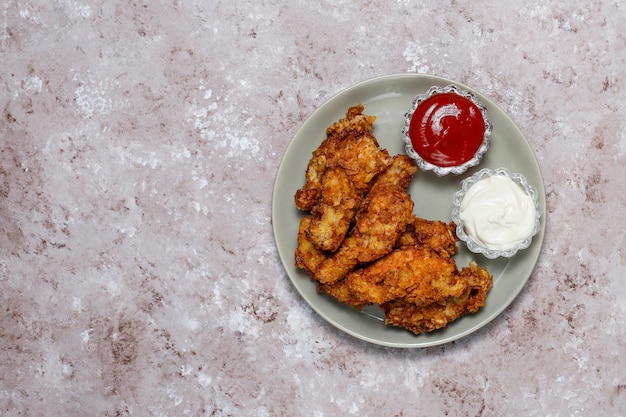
(447, 129)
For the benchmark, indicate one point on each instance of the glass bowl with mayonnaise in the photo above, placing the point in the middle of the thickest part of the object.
(446, 130)
(496, 212)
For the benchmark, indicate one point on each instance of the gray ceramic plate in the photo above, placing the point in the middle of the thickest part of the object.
(388, 98)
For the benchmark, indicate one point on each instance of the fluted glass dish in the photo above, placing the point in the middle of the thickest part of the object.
(461, 230)
(425, 165)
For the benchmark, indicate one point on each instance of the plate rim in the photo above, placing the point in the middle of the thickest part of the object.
(397, 77)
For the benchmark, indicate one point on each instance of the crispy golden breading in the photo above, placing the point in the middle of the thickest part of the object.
(437, 314)
(308, 257)
(362, 159)
(342, 293)
(434, 234)
(349, 144)
(335, 211)
(399, 172)
(355, 121)
(420, 275)
(380, 221)
(323, 157)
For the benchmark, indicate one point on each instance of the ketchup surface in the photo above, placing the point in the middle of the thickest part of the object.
(446, 129)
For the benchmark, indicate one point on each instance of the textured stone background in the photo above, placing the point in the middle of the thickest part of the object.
(139, 142)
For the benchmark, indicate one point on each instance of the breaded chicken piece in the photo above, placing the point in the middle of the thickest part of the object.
(349, 143)
(433, 234)
(362, 158)
(399, 172)
(308, 257)
(340, 291)
(436, 315)
(383, 217)
(419, 275)
(335, 211)
(355, 121)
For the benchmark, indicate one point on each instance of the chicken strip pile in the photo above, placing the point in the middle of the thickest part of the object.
(361, 243)
(338, 176)
(383, 217)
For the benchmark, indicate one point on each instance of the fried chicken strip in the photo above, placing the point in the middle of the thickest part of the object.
(340, 291)
(349, 143)
(433, 234)
(362, 158)
(438, 314)
(308, 257)
(355, 121)
(419, 275)
(335, 211)
(400, 172)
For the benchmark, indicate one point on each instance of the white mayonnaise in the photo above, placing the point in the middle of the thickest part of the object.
(497, 212)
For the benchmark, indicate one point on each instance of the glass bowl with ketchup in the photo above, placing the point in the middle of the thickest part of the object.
(496, 212)
(446, 130)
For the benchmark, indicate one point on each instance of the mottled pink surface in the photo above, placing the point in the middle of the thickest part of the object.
(139, 142)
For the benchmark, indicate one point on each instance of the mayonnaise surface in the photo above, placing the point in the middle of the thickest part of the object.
(497, 212)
